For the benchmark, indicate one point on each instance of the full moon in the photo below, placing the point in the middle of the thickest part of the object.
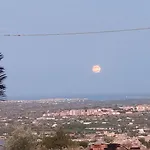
(96, 68)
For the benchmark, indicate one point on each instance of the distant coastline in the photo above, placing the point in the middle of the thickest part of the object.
(101, 97)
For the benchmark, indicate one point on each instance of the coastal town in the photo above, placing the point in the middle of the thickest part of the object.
(101, 111)
(81, 121)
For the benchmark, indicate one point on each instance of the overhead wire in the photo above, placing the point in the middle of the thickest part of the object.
(80, 33)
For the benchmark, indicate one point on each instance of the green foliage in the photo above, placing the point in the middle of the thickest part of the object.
(40, 147)
(83, 144)
(145, 143)
(108, 139)
(75, 127)
(59, 141)
(21, 139)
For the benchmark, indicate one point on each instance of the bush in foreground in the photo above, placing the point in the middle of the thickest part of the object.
(21, 139)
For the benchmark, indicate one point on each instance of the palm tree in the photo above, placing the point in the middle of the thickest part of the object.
(2, 77)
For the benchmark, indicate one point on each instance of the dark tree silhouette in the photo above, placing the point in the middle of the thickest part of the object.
(59, 141)
(2, 77)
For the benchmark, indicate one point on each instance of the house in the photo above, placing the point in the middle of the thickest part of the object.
(97, 146)
(135, 148)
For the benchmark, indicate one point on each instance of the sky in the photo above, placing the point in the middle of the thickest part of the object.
(62, 65)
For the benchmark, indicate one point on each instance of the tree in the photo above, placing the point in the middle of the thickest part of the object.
(127, 144)
(108, 139)
(21, 139)
(83, 144)
(2, 78)
(59, 141)
(145, 143)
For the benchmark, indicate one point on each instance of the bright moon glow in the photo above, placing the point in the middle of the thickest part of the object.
(96, 69)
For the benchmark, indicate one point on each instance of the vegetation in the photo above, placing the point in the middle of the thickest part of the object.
(2, 77)
(21, 139)
(59, 141)
(108, 139)
(145, 143)
(83, 144)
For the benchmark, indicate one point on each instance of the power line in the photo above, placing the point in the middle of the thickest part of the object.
(80, 33)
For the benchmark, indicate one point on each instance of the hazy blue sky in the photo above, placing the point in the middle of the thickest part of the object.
(61, 65)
